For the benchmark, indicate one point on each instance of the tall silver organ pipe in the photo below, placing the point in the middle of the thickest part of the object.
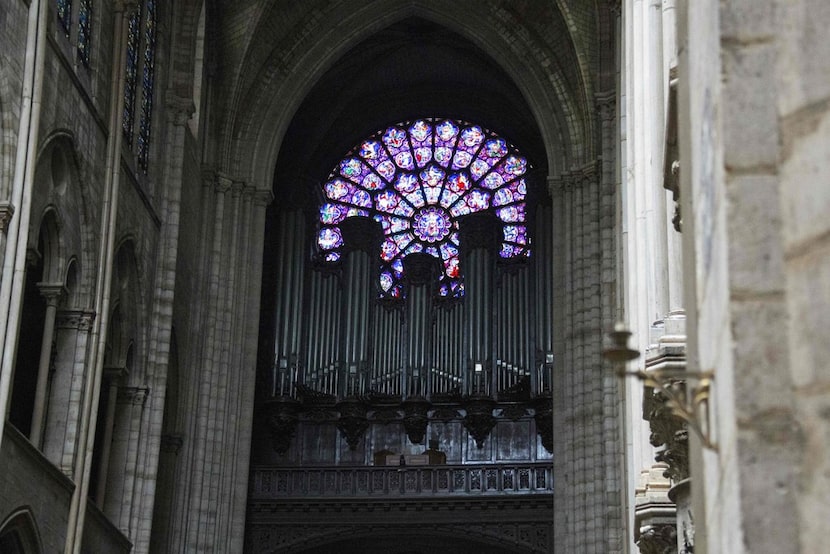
(289, 301)
(478, 278)
(448, 349)
(323, 352)
(418, 333)
(544, 275)
(386, 345)
(513, 340)
(356, 303)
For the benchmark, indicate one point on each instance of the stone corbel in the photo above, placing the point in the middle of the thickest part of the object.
(6, 213)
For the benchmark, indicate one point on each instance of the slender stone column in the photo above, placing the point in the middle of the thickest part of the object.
(112, 376)
(62, 419)
(52, 293)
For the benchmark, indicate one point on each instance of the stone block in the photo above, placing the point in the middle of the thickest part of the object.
(754, 228)
(748, 20)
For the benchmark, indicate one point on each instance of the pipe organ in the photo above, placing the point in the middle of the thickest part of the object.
(414, 293)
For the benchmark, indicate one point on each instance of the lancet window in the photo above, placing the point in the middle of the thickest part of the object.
(141, 55)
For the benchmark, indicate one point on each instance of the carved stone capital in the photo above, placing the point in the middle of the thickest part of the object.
(263, 198)
(135, 396)
(52, 292)
(6, 213)
(179, 108)
(606, 103)
(75, 319)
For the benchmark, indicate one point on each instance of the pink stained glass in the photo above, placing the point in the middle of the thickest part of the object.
(386, 281)
(478, 168)
(442, 155)
(389, 249)
(515, 165)
(512, 251)
(515, 233)
(452, 267)
(432, 194)
(446, 132)
(448, 197)
(493, 180)
(361, 198)
(404, 160)
(460, 208)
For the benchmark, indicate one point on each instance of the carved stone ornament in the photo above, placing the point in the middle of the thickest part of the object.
(353, 421)
(281, 416)
(669, 431)
(479, 420)
(415, 418)
(658, 539)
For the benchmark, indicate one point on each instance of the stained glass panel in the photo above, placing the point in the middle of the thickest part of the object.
(131, 77)
(85, 31)
(416, 179)
(65, 15)
(147, 82)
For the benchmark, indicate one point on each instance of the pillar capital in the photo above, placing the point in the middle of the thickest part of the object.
(52, 292)
(113, 374)
(75, 319)
(133, 395)
(6, 213)
(180, 108)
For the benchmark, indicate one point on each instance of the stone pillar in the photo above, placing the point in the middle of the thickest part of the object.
(112, 377)
(52, 293)
(118, 504)
(62, 419)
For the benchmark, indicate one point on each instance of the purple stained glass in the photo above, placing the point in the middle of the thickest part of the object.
(370, 150)
(372, 182)
(420, 131)
(330, 238)
(431, 224)
(419, 212)
(406, 183)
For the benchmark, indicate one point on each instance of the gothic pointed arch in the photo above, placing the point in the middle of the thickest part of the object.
(19, 533)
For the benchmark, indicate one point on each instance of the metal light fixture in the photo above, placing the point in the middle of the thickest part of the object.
(685, 401)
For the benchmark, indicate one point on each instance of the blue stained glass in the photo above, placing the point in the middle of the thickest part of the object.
(420, 131)
(420, 211)
(85, 31)
(148, 82)
(330, 238)
(371, 150)
(372, 182)
(423, 156)
(406, 183)
(461, 159)
(432, 176)
(131, 76)
(387, 169)
(65, 15)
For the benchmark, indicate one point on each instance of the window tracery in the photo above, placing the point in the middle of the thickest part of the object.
(418, 179)
(141, 54)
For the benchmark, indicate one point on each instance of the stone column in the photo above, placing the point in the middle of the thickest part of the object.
(52, 293)
(118, 504)
(112, 376)
(62, 419)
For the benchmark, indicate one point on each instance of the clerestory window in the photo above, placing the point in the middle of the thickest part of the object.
(141, 58)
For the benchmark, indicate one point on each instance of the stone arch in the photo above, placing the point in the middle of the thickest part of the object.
(19, 533)
(253, 140)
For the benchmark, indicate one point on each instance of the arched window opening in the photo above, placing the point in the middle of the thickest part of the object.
(65, 15)
(141, 59)
(28, 350)
(18, 535)
(198, 72)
